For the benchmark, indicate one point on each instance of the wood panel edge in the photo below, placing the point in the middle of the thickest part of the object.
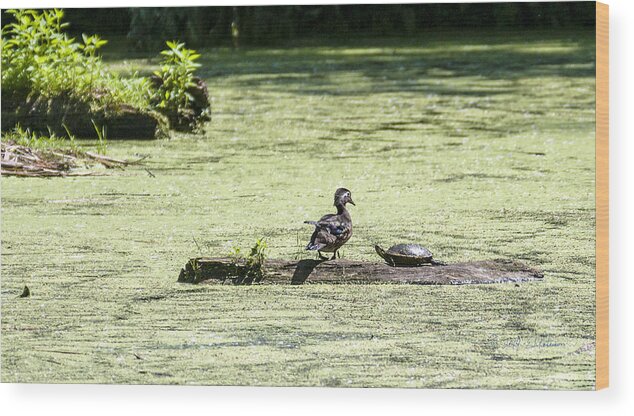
(602, 197)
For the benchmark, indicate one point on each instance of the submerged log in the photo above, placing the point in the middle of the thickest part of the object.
(275, 271)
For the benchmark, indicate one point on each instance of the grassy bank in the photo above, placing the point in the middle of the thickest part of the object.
(478, 147)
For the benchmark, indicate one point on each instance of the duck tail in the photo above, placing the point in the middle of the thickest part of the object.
(315, 223)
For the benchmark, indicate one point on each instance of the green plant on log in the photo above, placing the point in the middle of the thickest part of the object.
(235, 254)
(257, 256)
(251, 266)
(176, 78)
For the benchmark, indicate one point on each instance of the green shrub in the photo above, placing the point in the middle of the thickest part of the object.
(49, 79)
(175, 79)
(37, 57)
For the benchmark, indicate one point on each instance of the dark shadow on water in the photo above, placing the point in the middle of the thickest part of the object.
(417, 74)
(416, 66)
(303, 270)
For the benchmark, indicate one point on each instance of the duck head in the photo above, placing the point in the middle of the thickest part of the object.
(342, 197)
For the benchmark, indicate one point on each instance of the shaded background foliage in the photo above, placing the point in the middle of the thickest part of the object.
(212, 26)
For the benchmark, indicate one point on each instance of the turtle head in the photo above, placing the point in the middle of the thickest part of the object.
(343, 196)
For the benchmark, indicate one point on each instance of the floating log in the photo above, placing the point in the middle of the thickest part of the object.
(275, 271)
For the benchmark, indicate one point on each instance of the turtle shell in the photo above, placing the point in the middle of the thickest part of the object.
(405, 255)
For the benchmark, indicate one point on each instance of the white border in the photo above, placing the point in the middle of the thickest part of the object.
(99, 400)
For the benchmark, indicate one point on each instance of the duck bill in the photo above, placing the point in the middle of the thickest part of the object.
(352, 202)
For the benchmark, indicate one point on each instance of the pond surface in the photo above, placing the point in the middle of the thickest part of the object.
(477, 147)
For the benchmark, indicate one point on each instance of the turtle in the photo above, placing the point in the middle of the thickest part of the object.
(407, 255)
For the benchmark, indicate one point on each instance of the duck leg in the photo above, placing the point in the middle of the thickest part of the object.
(321, 256)
(334, 255)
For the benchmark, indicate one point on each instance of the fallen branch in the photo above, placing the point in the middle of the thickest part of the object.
(48, 173)
(17, 160)
(107, 159)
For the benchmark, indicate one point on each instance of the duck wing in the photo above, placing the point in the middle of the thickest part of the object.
(330, 223)
(328, 217)
(328, 230)
(320, 239)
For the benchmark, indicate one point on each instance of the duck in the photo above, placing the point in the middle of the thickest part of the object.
(333, 230)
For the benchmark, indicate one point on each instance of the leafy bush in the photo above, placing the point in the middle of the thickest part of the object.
(175, 85)
(49, 80)
(38, 57)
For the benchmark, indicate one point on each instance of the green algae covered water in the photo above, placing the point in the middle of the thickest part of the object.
(477, 147)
